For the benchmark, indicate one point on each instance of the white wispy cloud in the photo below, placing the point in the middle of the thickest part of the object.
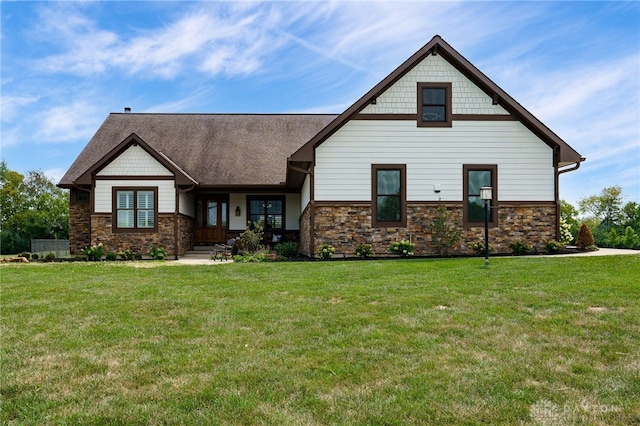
(68, 123)
(11, 105)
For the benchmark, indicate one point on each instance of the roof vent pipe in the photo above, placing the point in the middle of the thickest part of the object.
(127, 110)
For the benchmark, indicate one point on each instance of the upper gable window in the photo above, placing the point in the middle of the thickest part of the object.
(434, 104)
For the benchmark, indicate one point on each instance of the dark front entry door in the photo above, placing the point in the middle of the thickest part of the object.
(212, 219)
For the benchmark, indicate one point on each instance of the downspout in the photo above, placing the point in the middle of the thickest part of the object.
(312, 226)
(558, 173)
(175, 222)
(312, 212)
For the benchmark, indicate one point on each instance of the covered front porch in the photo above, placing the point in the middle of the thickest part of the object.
(220, 217)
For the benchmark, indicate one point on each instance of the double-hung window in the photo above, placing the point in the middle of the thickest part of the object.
(474, 178)
(135, 209)
(267, 210)
(434, 105)
(389, 195)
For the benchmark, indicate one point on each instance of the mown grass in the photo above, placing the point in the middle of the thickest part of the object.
(523, 341)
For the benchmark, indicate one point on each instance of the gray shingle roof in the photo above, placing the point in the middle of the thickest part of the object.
(214, 149)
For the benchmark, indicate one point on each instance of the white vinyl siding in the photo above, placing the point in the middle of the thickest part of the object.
(166, 193)
(434, 157)
(237, 223)
(401, 98)
(292, 215)
(187, 205)
(135, 161)
(305, 195)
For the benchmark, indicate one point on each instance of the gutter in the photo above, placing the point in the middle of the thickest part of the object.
(570, 169)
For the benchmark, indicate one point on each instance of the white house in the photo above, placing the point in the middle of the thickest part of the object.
(433, 132)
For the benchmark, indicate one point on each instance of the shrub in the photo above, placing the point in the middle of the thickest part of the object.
(251, 258)
(129, 255)
(25, 254)
(478, 248)
(364, 250)
(251, 239)
(14, 241)
(325, 251)
(629, 239)
(111, 256)
(93, 253)
(50, 257)
(402, 248)
(287, 249)
(35, 256)
(552, 246)
(444, 234)
(520, 247)
(566, 236)
(585, 238)
(157, 253)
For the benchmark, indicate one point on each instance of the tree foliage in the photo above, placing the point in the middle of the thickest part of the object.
(31, 207)
(613, 223)
(605, 207)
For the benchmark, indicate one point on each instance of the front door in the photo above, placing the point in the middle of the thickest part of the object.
(212, 219)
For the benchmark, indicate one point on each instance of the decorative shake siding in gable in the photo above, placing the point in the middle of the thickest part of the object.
(401, 97)
(135, 161)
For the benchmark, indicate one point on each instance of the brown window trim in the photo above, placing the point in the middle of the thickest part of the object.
(448, 107)
(114, 209)
(374, 195)
(493, 168)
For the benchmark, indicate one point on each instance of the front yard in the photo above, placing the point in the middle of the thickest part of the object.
(524, 341)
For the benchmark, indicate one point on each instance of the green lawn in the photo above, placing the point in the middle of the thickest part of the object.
(531, 341)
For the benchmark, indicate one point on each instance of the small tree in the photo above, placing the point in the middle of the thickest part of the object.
(585, 237)
(251, 239)
(444, 233)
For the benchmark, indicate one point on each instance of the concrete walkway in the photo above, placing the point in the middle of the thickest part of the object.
(201, 260)
(600, 252)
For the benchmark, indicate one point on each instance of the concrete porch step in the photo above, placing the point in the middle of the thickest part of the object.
(206, 252)
(197, 254)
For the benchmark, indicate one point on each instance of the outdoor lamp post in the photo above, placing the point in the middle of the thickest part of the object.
(486, 195)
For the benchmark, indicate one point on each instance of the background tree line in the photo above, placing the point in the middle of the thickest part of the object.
(31, 206)
(612, 222)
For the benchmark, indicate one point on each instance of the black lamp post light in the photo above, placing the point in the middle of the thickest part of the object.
(486, 193)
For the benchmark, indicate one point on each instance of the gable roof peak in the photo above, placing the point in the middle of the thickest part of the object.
(437, 45)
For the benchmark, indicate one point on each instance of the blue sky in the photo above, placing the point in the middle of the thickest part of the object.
(67, 65)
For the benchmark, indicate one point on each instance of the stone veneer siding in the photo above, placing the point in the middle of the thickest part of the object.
(186, 234)
(304, 244)
(79, 222)
(141, 242)
(346, 226)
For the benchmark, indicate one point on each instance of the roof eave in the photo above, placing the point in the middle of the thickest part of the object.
(182, 178)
